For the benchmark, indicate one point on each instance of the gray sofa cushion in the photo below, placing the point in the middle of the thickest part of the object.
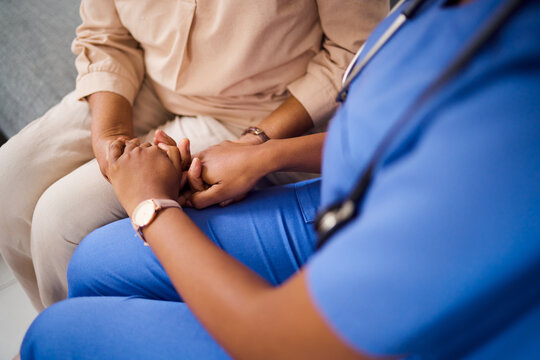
(36, 64)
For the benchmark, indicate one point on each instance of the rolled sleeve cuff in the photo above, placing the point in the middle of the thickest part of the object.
(93, 82)
(317, 97)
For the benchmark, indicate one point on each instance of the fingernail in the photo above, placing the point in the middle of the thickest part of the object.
(162, 146)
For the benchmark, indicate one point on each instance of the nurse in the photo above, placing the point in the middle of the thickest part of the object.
(441, 261)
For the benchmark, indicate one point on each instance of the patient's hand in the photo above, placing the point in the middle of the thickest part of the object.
(167, 144)
(221, 174)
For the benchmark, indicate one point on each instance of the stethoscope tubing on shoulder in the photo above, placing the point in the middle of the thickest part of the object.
(355, 68)
(339, 214)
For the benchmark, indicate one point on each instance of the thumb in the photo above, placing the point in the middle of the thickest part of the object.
(194, 175)
(161, 137)
(185, 153)
(210, 196)
(233, 200)
(173, 154)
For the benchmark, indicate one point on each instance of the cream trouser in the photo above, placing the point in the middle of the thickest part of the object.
(52, 193)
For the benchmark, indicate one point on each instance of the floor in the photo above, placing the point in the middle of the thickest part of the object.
(16, 313)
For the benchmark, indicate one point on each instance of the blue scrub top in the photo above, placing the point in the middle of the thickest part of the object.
(444, 261)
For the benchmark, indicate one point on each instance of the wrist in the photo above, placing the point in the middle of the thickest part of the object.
(250, 139)
(270, 152)
(131, 205)
(256, 132)
(108, 137)
(163, 216)
(148, 211)
(100, 142)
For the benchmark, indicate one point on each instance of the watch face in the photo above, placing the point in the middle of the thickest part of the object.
(144, 213)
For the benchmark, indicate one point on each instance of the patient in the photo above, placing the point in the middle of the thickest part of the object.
(207, 70)
(442, 261)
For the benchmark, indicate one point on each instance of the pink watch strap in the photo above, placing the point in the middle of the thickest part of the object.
(165, 203)
(160, 204)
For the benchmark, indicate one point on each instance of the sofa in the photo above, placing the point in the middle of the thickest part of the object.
(36, 64)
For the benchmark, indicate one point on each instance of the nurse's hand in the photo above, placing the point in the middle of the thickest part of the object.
(141, 172)
(226, 172)
(231, 169)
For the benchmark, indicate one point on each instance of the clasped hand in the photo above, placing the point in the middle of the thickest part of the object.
(221, 174)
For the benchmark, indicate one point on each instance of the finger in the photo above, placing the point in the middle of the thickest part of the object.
(184, 197)
(213, 195)
(226, 202)
(161, 137)
(233, 200)
(115, 150)
(174, 155)
(194, 175)
(145, 145)
(131, 144)
(167, 138)
(183, 180)
(185, 153)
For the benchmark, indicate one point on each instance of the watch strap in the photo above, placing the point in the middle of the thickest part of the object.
(258, 132)
(159, 204)
(165, 203)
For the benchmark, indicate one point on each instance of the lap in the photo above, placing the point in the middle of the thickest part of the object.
(118, 328)
(271, 232)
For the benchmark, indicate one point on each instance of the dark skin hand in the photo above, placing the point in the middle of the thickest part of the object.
(290, 119)
(232, 168)
(226, 296)
(226, 172)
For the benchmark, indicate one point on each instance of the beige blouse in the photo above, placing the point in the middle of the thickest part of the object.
(234, 60)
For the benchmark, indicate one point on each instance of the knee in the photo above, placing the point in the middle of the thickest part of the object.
(53, 224)
(13, 185)
(11, 154)
(46, 337)
(37, 340)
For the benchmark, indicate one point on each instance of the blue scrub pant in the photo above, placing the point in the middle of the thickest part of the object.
(122, 304)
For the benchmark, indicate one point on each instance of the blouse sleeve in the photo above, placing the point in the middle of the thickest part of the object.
(346, 25)
(108, 57)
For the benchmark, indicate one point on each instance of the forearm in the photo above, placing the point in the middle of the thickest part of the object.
(290, 119)
(220, 290)
(249, 317)
(302, 153)
(111, 116)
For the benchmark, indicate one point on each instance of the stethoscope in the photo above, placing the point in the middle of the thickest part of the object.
(337, 215)
(355, 68)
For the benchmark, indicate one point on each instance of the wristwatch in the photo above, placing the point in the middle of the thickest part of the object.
(146, 212)
(257, 132)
